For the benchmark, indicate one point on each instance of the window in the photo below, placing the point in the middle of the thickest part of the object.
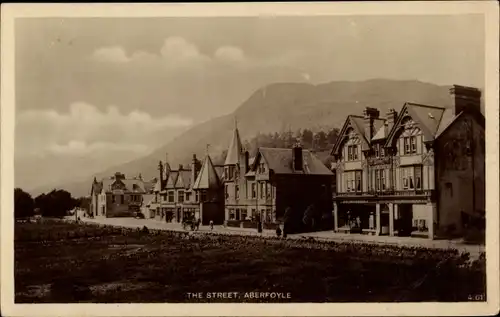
(171, 196)
(408, 178)
(254, 190)
(237, 214)
(203, 196)
(379, 180)
(352, 152)
(237, 189)
(418, 177)
(358, 181)
(164, 197)
(226, 191)
(262, 189)
(197, 196)
(180, 196)
(232, 214)
(188, 196)
(226, 172)
(410, 145)
(113, 199)
(268, 190)
(353, 181)
(243, 214)
(348, 176)
(262, 168)
(407, 145)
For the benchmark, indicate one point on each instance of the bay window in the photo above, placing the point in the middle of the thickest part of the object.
(353, 181)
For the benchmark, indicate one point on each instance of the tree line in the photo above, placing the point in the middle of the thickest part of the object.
(56, 203)
(317, 141)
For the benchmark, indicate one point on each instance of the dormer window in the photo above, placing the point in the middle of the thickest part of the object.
(352, 152)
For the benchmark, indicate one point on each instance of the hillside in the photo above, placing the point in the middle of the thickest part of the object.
(276, 108)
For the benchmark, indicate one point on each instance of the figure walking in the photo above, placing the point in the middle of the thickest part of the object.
(211, 225)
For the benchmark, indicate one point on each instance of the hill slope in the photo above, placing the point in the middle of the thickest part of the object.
(275, 108)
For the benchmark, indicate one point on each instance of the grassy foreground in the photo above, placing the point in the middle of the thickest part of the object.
(61, 262)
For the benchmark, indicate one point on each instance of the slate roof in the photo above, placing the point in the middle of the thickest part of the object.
(235, 149)
(207, 177)
(281, 162)
(172, 179)
(381, 133)
(184, 179)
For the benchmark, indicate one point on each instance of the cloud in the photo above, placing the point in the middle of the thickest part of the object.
(230, 53)
(115, 54)
(175, 52)
(85, 129)
(81, 148)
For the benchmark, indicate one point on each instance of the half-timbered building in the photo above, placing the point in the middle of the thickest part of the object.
(418, 172)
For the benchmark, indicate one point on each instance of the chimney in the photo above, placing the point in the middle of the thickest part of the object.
(297, 157)
(180, 167)
(391, 117)
(194, 169)
(247, 162)
(160, 168)
(370, 114)
(465, 99)
(119, 175)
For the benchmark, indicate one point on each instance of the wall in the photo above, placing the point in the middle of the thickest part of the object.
(457, 173)
(300, 191)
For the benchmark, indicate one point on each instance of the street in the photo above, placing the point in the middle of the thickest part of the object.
(473, 250)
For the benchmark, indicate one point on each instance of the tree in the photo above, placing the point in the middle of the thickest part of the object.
(23, 204)
(307, 138)
(57, 203)
(320, 140)
(332, 136)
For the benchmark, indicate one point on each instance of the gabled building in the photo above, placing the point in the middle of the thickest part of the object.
(118, 196)
(263, 187)
(186, 193)
(417, 172)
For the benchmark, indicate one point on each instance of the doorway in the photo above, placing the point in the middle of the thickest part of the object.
(404, 222)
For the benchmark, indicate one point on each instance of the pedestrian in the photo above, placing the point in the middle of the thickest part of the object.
(211, 225)
(278, 231)
(198, 222)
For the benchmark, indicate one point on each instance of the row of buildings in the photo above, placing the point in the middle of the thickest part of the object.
(416, 172)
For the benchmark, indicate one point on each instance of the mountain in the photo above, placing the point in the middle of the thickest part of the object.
(275, 108)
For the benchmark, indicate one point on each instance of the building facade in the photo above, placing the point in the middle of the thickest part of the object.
(118, 196)
(188, 193)
(419, 172)
(276, 179)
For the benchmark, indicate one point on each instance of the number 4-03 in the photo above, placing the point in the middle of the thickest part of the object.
(479, 297)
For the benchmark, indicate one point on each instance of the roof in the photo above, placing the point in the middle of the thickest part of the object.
(381, 133)
(129, 185)
(280, 161)
(220, 171)
(157, 187)
(428, 117)
(147, 199)
(172, 179)
(234, 150)
(207, 177)
(184, 179)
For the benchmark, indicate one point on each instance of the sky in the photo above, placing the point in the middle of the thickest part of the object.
(95, 92)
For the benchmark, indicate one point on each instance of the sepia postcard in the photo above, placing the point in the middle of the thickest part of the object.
(250, 159)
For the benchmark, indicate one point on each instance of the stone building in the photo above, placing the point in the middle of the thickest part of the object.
(118, 196)
(263, 187)
(419, 172)
(188, 192)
